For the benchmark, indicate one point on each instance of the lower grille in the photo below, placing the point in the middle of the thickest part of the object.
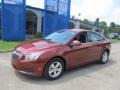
(28, 70)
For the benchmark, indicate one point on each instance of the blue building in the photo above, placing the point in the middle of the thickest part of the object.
(21, 20)
(35, 19)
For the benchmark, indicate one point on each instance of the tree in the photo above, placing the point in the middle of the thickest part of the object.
(112, 27)
(96, 23)
(87, 24)
(112, 24)
(117, 29)
(71, 25)
(86, 21)
(73, 17)
(103, 26)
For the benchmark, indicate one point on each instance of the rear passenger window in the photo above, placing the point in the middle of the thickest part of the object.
(94, 37)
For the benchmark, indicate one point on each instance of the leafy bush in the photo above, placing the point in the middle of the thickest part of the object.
(38, 35)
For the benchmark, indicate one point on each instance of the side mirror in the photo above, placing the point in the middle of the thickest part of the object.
(76, 43)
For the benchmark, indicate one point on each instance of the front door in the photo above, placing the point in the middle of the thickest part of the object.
(80, 54)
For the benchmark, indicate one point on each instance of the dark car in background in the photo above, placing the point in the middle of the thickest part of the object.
(113, 36)
(59, 51)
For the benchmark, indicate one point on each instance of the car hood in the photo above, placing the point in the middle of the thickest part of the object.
(35, 45)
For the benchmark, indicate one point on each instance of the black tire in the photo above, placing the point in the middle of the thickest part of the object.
(48, 66)
(104, 59)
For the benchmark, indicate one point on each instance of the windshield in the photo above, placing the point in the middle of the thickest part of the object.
(60, 36)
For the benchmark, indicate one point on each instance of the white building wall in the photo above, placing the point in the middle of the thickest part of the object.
(39, 14)
(39, 22)
(76, 23)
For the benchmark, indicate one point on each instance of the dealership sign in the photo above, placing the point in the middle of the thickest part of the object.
(63, 7)
(56, 15)
(51, 5)
(13, 1)
(58, 6)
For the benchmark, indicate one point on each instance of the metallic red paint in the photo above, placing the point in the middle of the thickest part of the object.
(72, 56)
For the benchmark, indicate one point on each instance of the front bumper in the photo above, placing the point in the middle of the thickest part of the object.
(27, 67)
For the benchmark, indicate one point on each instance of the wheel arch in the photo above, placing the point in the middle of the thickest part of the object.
(57, 57)
(60, 58)
(107, 50)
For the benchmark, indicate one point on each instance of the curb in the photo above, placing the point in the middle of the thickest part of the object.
(2, 51)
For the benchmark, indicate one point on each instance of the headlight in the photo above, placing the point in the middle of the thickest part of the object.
(32, 56)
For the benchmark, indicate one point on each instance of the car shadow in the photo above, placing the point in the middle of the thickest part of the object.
(68, 75)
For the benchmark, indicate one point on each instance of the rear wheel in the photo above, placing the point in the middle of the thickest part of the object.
(104, 57)
(54, 69)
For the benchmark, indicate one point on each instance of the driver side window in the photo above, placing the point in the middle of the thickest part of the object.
(82, 37)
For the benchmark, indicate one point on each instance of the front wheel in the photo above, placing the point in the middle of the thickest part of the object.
(54, 69)
(104, 57)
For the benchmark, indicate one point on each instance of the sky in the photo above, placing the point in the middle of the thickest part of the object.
(106, 10)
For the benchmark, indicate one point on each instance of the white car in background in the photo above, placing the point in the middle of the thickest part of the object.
(119, 37)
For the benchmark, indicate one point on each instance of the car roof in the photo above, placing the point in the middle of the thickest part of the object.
(78, 30)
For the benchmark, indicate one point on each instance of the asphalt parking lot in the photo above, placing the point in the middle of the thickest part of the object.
(90, 77)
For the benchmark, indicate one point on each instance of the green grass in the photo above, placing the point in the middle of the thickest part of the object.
(115, 41)
(5, 46)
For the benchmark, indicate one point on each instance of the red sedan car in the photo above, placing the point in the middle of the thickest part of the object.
(61, 50)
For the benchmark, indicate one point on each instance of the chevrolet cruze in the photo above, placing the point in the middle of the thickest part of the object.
(61, 50)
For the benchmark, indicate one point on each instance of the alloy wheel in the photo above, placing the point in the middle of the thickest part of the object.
(55, 69)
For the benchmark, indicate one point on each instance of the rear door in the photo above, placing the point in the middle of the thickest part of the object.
(96, 45)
